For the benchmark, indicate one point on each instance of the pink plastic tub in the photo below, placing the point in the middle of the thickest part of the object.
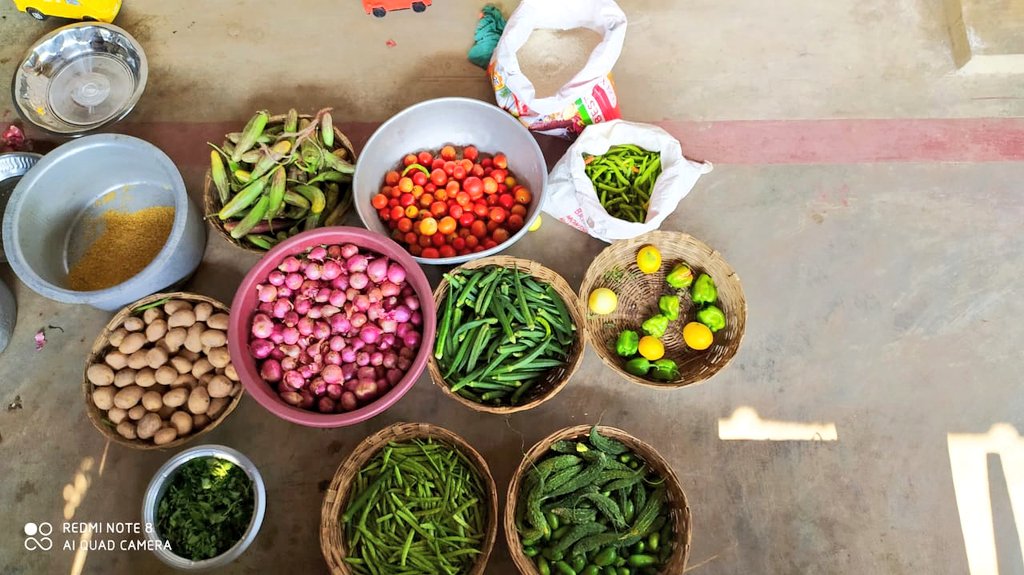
(245, 303)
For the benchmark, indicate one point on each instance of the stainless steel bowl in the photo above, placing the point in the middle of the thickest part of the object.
(13, 165)
(161, 481)
(431, 125)
(80, 78)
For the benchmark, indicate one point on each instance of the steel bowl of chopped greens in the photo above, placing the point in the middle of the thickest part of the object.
(204, 508)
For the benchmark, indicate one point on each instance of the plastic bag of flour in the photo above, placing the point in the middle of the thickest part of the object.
(552, 67)
(571, 197)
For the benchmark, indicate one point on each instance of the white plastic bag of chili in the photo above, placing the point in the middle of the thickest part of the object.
(571, 197)
(589, 97)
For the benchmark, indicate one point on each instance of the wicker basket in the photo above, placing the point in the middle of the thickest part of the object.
(332, 540)
(212, 205)
(99, 349)
(615, 268)
(557, 378)
(674, 492)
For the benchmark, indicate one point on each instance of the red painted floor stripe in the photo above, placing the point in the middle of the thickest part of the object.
(756, 142)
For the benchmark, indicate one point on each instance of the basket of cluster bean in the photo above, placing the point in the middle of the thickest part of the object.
(160, 375)
(413, 498)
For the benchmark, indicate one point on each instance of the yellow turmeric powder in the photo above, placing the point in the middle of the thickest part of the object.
(129, 242)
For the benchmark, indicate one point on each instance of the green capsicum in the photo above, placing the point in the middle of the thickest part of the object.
(656, 326)
(669, 306)
(665, 370)
(638, 366)
(712, 317)
(704, 290)
(627, 344)
(680, 277)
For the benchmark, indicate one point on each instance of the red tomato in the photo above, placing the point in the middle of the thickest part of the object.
(500, 161)
(490, 185)
(439, 208)
(405, 225)
(417, 191)
(459, 244)
(409, 160)
(463, 199)
(500, 235)
(506, 201)
(438, 240)
(523, 196)
(459, 173)
(405, 185)
(487, 163)
(410, 237)
(379, 201)
(391, 178)
(428, 226)
(438, 177)
(431, 253)
(479, 229)
(446, 251)
(418, 178)
(516, 222)
(477, 171)
(446, 225)
(491, 199)
(480, 210)
(498, 215)
(474, 185)
(467, 219)
(437, 163)
(430, 188)
(394, 201)
(519, 210)
(470, 153)
(426, 199)
(423, 241)
(397, 213)
(449, 168)
(396, 235)
(448, 152)
(412, 212)
(385, 214)
(488, 244)
(478, 249)
(499, 176)
(472, 241)
(466, 165)
(441, 194)
(406, 200)
(453, 187)
(492, 225)
(502, 188)
(425, 158)
(415, 249)
(510, 182)
(463, 232)
(455, 211)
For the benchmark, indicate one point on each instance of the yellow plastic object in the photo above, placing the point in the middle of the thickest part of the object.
(99, 10)
(535, 225)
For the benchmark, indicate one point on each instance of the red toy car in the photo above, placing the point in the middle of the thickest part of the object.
(381, 7)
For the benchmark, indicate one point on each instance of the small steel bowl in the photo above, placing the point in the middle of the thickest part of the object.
(161, 481)
(80, 78)
(13, 165)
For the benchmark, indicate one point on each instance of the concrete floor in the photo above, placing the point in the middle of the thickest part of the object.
(882, 296)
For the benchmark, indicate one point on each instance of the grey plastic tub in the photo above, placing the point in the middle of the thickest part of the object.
(51, 217)
(161, 481)
(8, 315)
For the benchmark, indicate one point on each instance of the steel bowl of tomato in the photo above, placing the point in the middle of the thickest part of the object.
(450, 180)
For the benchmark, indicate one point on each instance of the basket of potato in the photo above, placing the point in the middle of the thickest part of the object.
(160, 374)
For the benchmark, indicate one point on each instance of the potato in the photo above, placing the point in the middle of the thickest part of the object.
(182, 364)
(138, 359)
(156, 357)
(236, 389)
(116, 359)
(175, 338)
(219, 357)
(134, 323)
(125, 377)
(231, 373)
(199, 400)
(189, 354)
(138, 412)
(103, 397)
(152, 314)
(117, 415)
(203, 311)
(126, 429)
(182, 318)
(185, 380)
(117, 336)
(166, 411)
(201, 367)
(165, 436)
(145, 377)
(213, 338)
(193, 340)
(219, 386)
(156, 330)
(175, 305)
(182, 422)
(99, 374)
(216, 407)
(148, 426)
(218, 321)
(200, 421)
(176, 397)
(153, 400)
(128, 397)
(132, 342)
(206, 377)
(166, 375)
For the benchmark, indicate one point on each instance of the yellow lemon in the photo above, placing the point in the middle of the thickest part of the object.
(535, 225)
(651, 348)
(648, 259)
(603, 301)
(697, 336)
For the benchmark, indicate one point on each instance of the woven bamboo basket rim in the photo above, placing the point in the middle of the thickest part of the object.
(332, 540)
(675, 247)
(557, 378)
(212, 205)
(102, 344)
(682, 521)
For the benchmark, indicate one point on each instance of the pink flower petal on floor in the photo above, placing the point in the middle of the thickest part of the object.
(40, 340)
(391, 43)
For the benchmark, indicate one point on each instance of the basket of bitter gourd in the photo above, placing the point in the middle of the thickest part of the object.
(279, 176)
(596, 500)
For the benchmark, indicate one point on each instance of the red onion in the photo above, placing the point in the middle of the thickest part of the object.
(366, 390)
(362, 302)
(376, 358)
(340, 324)
(394, 376)
(302, 306)
(396, 273)
(266, 293)
(348, 401)
(277, 337)
(406, 353)
(369, 333)
(404, 363)
(260, 348)
(290, 264)
(291, 318)
(271, 371)
(277, 354)
(336, 343)
(356, 263)
(349, 250)
(377, 270)
(315, 312)
(358, 280)
(337, 298)
(388, 325)
(318, 387)
(322, 330)
(348, 370)
(417, 318)
(325, 405)
(389, 289)
(292, 397)
(332, 374)
(332, 357)
(293, 281)
(293, 380)
(375, 295)
(283, 292)
(412, 302)
(289, 363)
(262, 326)
(305, 326)
(265, 308)
(334, 251)
(318, 253)
(411, 339)
(314, 271)
(382, 387)
(275, 278)
(307, 399)
(290, 335)
(358, 320)
(401, 314)
(348, 355)
(281, 308)
(334, 390)
(362, 358)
